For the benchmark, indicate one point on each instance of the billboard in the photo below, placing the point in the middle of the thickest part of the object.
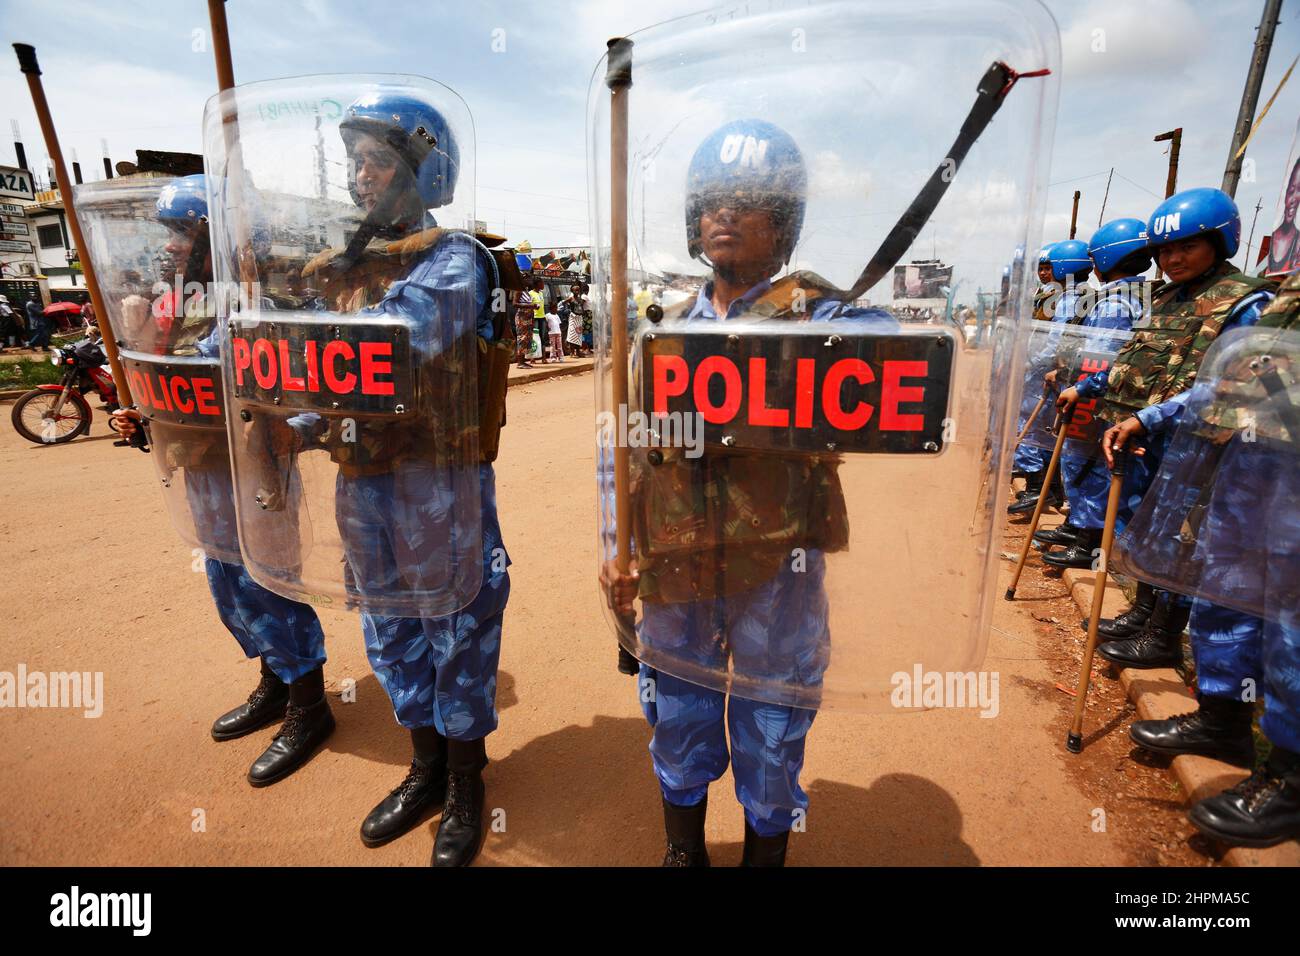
(922, 279)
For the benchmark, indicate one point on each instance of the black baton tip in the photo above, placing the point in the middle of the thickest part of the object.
(618, 70)
(1011, 594)
(27, 58)
(1074, 743)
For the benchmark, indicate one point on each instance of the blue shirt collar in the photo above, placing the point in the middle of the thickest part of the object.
(703, 308)
(1119, 282)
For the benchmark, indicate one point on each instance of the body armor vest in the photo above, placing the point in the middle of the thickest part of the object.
(725, 522)
(1162, 358)
(379, 445)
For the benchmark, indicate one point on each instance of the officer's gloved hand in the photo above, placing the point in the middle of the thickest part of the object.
(620, 591)
(309, 429)
(130, 424)
(1121, 437)
(1066, 400)
(620, 587)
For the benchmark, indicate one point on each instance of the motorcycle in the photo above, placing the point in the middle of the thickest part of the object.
(55, 414)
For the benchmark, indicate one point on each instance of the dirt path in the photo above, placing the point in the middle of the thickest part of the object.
(570, 779)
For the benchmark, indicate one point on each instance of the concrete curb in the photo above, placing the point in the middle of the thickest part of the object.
(517, 377)
(1160, 694)
(541, 373)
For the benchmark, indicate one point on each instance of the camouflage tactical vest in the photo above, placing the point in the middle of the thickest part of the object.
(1224, 415)
(1162, 358)
(725, 522)
(1042, 298)
(1284, 311)
(377, 446)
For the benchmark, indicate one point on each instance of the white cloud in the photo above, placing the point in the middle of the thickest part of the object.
(1118, 41)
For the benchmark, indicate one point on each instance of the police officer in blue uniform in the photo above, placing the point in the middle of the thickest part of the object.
(1193, 234)
(395, 494)
(744, 213)
(1119, 254)
(284, 634)
(1070, 267)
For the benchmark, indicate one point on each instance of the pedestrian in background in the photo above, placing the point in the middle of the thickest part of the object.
(553, 333)
(523, 329)
(10, 325)
(38, 325)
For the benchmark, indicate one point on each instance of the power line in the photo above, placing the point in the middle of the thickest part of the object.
(1139, 186)
(1076, 179)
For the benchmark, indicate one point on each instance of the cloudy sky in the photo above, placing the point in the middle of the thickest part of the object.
(136, 75)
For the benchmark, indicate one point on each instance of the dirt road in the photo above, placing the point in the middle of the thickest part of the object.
(95, 580)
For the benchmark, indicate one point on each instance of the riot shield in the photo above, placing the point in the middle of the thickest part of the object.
(1060, 355)
(1221, 521)
(806, 461)
(349, 337)
(148, 242)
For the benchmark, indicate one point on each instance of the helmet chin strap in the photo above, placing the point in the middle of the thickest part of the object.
(199, 250)
(379, 219)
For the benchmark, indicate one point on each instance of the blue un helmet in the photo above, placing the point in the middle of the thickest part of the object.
(750, 164)
(414, 130)
(184, 201)
(1196, 212)
(1116, 241)
(1069, 257)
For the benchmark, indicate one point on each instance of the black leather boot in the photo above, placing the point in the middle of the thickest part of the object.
(1065, 534)
(1029, 502)
(1158, 644)
(460, 834)
(1033, 486)
(1218, 728)
(265, 705)
(1079, 554)
(684, 827)
(423, 790)
(764, 851)
(307, 723)
(1127, 623)
(1262, 810)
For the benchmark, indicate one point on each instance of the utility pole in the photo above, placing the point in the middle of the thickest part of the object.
(1175, 138)
(1105, 198)
(1245, 266)
(1074, 216)
(1250, 96)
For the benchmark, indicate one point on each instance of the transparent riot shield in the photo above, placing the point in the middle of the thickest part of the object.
(1222, 519)
(799, 463)
(352, 299)
(147, 238)
(1061, 355)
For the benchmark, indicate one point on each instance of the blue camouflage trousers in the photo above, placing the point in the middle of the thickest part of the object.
(777, 633)
(1087, 486)
(284, 633)
(438, 672)
(1226, 646)
(1231, 647)
(1029, 458)
(1247, 549)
